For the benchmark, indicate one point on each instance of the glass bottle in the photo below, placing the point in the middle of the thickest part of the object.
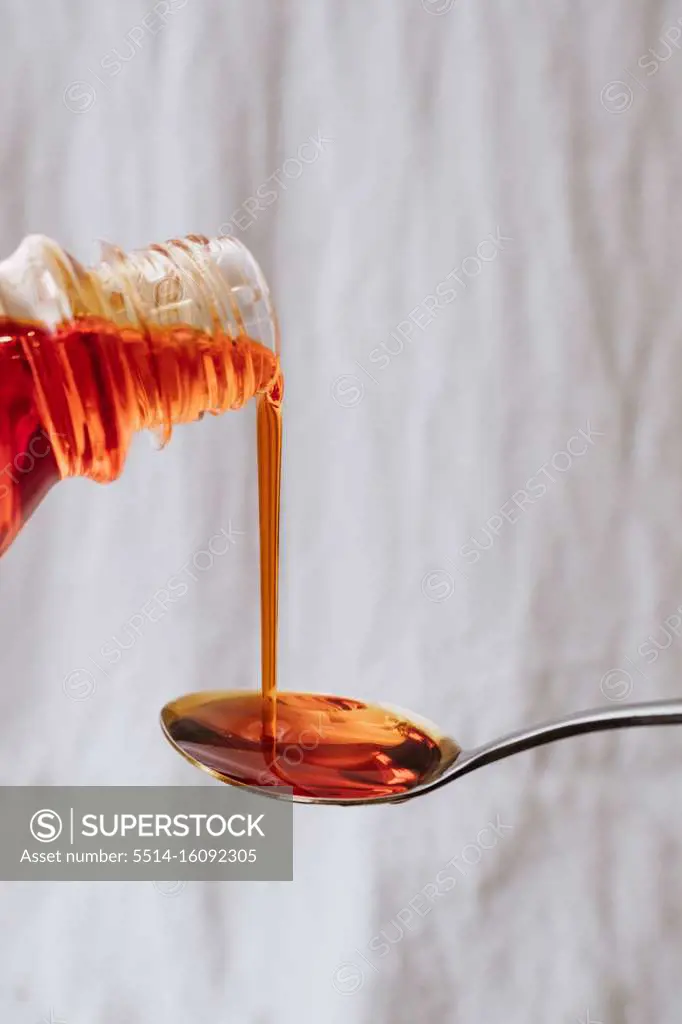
(143, 340)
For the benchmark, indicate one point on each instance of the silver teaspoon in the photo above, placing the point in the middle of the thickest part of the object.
(209, 748)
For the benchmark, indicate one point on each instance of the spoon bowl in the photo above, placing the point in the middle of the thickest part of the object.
(325, 749)
(334, 750)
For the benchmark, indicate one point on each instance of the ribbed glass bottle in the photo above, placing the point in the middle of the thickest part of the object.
(146, 339)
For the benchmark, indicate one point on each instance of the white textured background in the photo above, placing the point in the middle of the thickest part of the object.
(447, 124)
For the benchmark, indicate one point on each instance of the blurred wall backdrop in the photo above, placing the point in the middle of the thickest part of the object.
(468, 211)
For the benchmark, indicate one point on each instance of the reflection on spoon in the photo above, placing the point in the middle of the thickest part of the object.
(330, 748)
(335, 750)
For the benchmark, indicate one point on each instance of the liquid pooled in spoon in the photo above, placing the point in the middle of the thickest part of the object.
(324, 747)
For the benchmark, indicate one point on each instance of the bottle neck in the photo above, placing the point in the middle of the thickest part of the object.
(148, 339)
(97, 384)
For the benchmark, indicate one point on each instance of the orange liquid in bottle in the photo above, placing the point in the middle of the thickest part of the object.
(28, 466)
(71, 399)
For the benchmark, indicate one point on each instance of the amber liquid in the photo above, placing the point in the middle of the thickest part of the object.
(71, 399)
(28, 466)
(269, 487)
(320, 747)
(331, 748)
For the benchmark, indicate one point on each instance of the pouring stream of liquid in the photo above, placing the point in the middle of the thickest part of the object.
(319, 746)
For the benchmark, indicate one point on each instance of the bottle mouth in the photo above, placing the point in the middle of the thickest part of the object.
(213, 284)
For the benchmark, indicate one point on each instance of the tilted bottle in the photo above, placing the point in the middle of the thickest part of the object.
(143, 340)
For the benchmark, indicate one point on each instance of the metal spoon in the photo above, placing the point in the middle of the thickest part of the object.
(659, 712)
(457, 763)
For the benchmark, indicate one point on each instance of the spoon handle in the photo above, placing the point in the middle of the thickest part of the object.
(659, 712)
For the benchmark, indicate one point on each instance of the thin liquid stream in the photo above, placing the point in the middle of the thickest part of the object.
(269, 435)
